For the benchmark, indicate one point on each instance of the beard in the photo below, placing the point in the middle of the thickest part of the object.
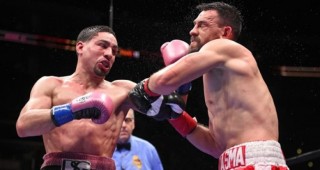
(194, 49)
(99, 72)
(195, 45)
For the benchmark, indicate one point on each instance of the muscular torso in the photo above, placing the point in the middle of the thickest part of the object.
(83, 135)
(240, 107)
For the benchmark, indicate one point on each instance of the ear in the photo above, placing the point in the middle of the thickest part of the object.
(227, 32)
(79, 47)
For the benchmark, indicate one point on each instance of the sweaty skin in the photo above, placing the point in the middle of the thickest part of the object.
(240, 106)
(95, 59)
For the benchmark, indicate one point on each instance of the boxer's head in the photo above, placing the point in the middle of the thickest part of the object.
(215, 20)
(88, 33)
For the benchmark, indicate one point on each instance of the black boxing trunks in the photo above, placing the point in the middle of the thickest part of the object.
(258, 155)
(79, 161)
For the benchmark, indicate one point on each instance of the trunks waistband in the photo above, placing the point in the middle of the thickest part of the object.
(252, 153)
(96, 162)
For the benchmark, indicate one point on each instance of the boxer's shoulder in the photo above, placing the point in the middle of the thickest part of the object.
(123, 84)
(52, 78)
(49, 81)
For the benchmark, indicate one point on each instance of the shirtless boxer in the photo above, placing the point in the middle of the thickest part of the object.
(243, 123)
(80, 115)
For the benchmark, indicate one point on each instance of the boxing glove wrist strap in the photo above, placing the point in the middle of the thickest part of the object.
(148, 91)
(184, 124)
(61, 114)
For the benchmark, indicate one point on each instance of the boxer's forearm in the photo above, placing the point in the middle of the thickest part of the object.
(172, 52)
(204, 141)
(157, 87)
(164, 81)
(34, 122)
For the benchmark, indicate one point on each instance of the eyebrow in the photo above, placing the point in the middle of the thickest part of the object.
(108, 42)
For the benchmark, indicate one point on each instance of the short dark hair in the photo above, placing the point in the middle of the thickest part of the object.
(229, 14)
(88, 33)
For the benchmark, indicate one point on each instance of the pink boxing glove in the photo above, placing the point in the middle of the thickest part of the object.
(97, 106)
(173, 51)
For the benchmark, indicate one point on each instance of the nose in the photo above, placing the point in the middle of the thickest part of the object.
(193, 31)
(108, 53)
(124, 124)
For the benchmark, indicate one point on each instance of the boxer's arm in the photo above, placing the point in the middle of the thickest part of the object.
(184, 124)
(34, 118)
(197, 134)
(180, 120)
(215, 54)
(173, 76)
(202, 139)
(126, 86)
(188, 127)
(171, 52)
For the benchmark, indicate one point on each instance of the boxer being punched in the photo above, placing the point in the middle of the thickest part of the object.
(243, 124)
(80, 115)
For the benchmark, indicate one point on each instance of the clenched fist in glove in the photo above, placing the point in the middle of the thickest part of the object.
(173, 51)
(180, 120)
(142, 98)
(97, 106)
(159, 107)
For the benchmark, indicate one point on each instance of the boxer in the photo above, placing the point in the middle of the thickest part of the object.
(241, 111)
(79, 116)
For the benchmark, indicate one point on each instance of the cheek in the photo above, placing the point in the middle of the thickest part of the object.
(112, 60)
(213, 35)
(87, 51)
(94, 50)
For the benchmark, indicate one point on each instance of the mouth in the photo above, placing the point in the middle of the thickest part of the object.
(123, 133)
(104, 65)
(192, 39)
(193, 43)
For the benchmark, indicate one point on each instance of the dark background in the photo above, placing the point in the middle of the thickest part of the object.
(279, 33)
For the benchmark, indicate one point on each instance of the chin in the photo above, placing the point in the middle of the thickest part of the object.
(194, 47)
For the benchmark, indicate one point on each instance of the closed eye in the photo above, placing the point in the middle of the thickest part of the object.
(107, 44)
